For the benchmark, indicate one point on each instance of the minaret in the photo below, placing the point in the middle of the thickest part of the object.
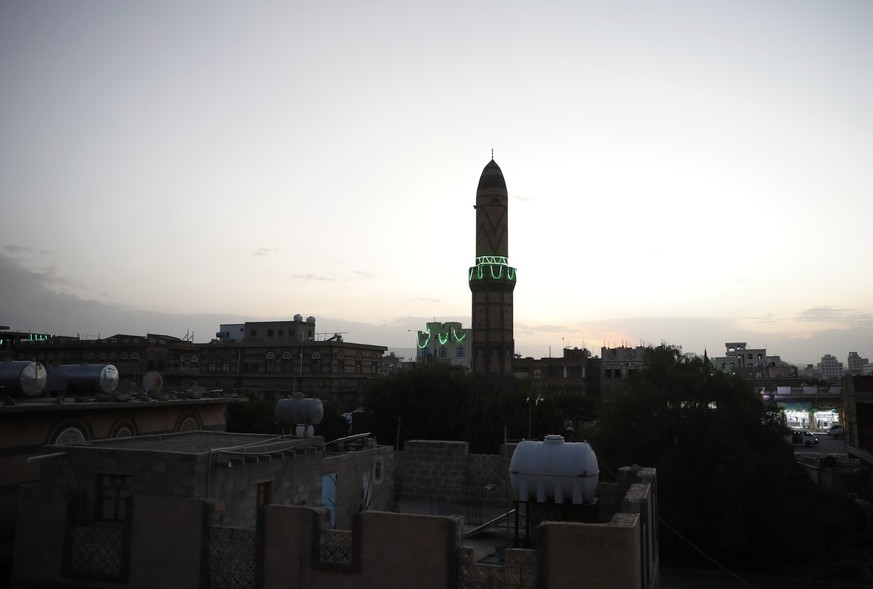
(492, 280)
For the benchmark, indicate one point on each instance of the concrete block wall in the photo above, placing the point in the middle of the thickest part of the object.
(294, 479)
(152, 473)
(434, 470)
(605, 556)
(388, 550)
(391, 551)
(373, 467)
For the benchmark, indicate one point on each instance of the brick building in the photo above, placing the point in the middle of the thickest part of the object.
(261, 358)
(575, 371)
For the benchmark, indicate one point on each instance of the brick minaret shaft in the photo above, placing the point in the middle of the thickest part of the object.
(492, 280)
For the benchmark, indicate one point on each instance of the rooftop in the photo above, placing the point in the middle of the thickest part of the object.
(201, 442)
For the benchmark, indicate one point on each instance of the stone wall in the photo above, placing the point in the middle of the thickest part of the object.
(364, 480)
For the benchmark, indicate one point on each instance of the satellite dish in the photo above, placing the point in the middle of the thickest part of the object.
(152, 382)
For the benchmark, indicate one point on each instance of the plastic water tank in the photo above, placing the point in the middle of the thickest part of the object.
(83, 378)
(554, 471)
(22, 377)
(292, 411)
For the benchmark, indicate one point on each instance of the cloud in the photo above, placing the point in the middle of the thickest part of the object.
(835, 315)
(312, 277)
(363, 274)
(264, 251)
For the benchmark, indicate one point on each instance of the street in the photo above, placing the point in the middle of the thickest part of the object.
(826, 445)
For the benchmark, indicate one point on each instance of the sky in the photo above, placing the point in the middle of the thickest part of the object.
(690, 173)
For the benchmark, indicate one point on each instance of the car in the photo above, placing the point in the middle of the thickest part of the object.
(804, 438)
(835, 431)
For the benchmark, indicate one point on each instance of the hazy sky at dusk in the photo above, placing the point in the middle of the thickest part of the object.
(689, 172)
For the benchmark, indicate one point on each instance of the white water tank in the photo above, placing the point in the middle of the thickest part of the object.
(554, 471)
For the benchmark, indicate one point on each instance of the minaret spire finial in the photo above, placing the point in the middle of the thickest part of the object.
(492, 153)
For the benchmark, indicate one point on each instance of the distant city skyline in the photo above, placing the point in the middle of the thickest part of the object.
(680, 172)
(28, 303)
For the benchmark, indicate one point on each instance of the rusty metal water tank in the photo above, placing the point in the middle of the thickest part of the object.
(554, 471)
(21, 377)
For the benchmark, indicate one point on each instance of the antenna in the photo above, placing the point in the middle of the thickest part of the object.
(492, 153)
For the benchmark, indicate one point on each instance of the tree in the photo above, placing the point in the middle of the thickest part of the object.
(437, 403)
(424, 402)
(728, 483)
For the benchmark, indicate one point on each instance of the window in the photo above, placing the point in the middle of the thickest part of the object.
(70, 435)
(442, 353)
(211, 366)
(280, 333)
(538, 374)
(460, 352)
(359, 363)
(269, 333)
(225, 365)
(315, 362)
(195, 361)
(253, 333)
(113, 493)
(271, 361)
(286, 362)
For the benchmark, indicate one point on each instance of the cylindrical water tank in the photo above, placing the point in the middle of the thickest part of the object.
(22, 377)
(554, 471)
(83, 378)
(299, 411)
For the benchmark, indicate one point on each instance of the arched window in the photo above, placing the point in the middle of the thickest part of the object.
(70, 435)
(315, 362)
(271, 362)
